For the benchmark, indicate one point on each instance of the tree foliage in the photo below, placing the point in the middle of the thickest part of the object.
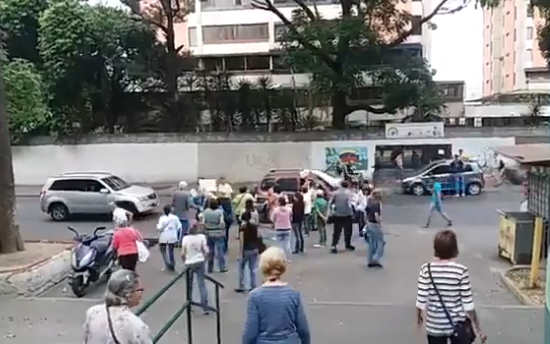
(359, 48)
(26, 101)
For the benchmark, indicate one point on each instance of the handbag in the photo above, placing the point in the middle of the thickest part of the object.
(463, 330)
(143, 252)
(111, 329)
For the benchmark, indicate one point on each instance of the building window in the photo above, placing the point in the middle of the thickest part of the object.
(515, 35)
(416, 21)
(235, 33)
(529, 11)
(258, 63)
(529, 33)
(193, 39)
(280, 31)
(529, 56)
(239, 2)
(212, 63)
(234, 63)
(280, 64)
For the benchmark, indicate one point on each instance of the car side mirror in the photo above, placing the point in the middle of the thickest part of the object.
(104, 191)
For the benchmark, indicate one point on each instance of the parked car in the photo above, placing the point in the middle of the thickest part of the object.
(92, 193)
(288, 181)
(421, 182)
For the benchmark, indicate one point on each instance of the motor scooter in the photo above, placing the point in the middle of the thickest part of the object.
(92, 258)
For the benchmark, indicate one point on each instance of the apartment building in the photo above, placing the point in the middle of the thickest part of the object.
(233, 36)
(511, 57)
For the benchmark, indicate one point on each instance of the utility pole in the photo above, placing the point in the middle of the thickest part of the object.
(10, 238)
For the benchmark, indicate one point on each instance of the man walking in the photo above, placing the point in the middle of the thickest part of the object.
(436, 205)
(342, 217)
(181, 205)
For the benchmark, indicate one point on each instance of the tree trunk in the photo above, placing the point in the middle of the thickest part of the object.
(340, 110)
(10, 238)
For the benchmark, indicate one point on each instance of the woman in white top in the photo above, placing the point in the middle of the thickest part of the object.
(113, 322)
(168, 226)
(194, 250)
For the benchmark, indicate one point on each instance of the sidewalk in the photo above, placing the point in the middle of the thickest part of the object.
(361, 302)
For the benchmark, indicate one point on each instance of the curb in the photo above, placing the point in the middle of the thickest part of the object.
(514, 289)
(35, 277)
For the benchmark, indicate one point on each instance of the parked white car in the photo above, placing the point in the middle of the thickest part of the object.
(93, 193)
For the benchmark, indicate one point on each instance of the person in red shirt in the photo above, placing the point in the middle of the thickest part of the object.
(124, 243)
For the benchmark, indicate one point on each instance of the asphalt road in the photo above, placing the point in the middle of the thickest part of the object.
(469, 212)
(344, 301)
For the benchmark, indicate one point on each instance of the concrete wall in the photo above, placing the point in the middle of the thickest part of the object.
(133, 161)
(238, 161)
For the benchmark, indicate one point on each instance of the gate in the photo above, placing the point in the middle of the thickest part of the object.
(186, 307)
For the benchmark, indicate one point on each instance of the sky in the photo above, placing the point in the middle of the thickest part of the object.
(457, 47)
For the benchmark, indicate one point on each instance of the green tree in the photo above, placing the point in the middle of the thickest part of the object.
(358, 49)
(19, 20)
(26, 102)
(95, 59)
(163, 16)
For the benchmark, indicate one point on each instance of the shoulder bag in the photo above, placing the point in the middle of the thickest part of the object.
(463, 330)
(111, 329)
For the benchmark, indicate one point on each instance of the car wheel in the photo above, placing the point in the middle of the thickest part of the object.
(474, 189)
(418, 189)
(131, 207)
(58, 211)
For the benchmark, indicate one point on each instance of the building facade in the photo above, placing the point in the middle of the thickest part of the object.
(512, 60)
(232, 36)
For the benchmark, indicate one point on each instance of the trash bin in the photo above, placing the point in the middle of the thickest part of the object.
(515, 236)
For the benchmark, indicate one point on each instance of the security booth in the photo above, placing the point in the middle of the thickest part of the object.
(535, 161)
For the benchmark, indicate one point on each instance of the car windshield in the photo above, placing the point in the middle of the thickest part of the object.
(267, 184)
(426, 168)
(116, 183)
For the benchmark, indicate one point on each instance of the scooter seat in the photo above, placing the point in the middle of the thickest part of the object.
(102, 244)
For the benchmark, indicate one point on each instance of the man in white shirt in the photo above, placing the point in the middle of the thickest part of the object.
(121, 217)
(169, 226)
(308, 208)
(194, 250)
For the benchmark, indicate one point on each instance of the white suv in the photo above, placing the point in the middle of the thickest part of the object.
(92, 193)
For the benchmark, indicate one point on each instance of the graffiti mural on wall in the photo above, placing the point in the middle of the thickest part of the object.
(356, 155)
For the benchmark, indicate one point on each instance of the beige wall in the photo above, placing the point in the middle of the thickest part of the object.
(506, 47)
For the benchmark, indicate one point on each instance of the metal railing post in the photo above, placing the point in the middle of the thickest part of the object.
(218, 316)
(189, 297)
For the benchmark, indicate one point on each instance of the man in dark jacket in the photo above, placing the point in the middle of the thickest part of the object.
(298, 216)
(342, 215)
(457, 167)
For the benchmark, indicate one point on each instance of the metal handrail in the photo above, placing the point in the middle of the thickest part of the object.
(186, 307)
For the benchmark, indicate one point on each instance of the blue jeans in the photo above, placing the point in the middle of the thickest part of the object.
(216, 248)
(250, 259)
(198, 270)
(459, 185)
(184, 229)
(167, 252)
(375, 242)
(308, 223)
(283, 238)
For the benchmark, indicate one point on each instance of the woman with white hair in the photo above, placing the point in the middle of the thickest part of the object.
(113, 322)
(275, 312)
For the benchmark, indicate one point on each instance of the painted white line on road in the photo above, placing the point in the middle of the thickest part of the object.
(59, 299)
(389, 304)
(309, 303)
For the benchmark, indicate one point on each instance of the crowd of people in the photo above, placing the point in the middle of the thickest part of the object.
(199, 223)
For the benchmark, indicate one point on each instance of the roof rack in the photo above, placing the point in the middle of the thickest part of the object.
(85, 172)
(285, 169)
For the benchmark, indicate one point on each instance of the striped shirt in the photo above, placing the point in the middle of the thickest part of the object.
(453, 282)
